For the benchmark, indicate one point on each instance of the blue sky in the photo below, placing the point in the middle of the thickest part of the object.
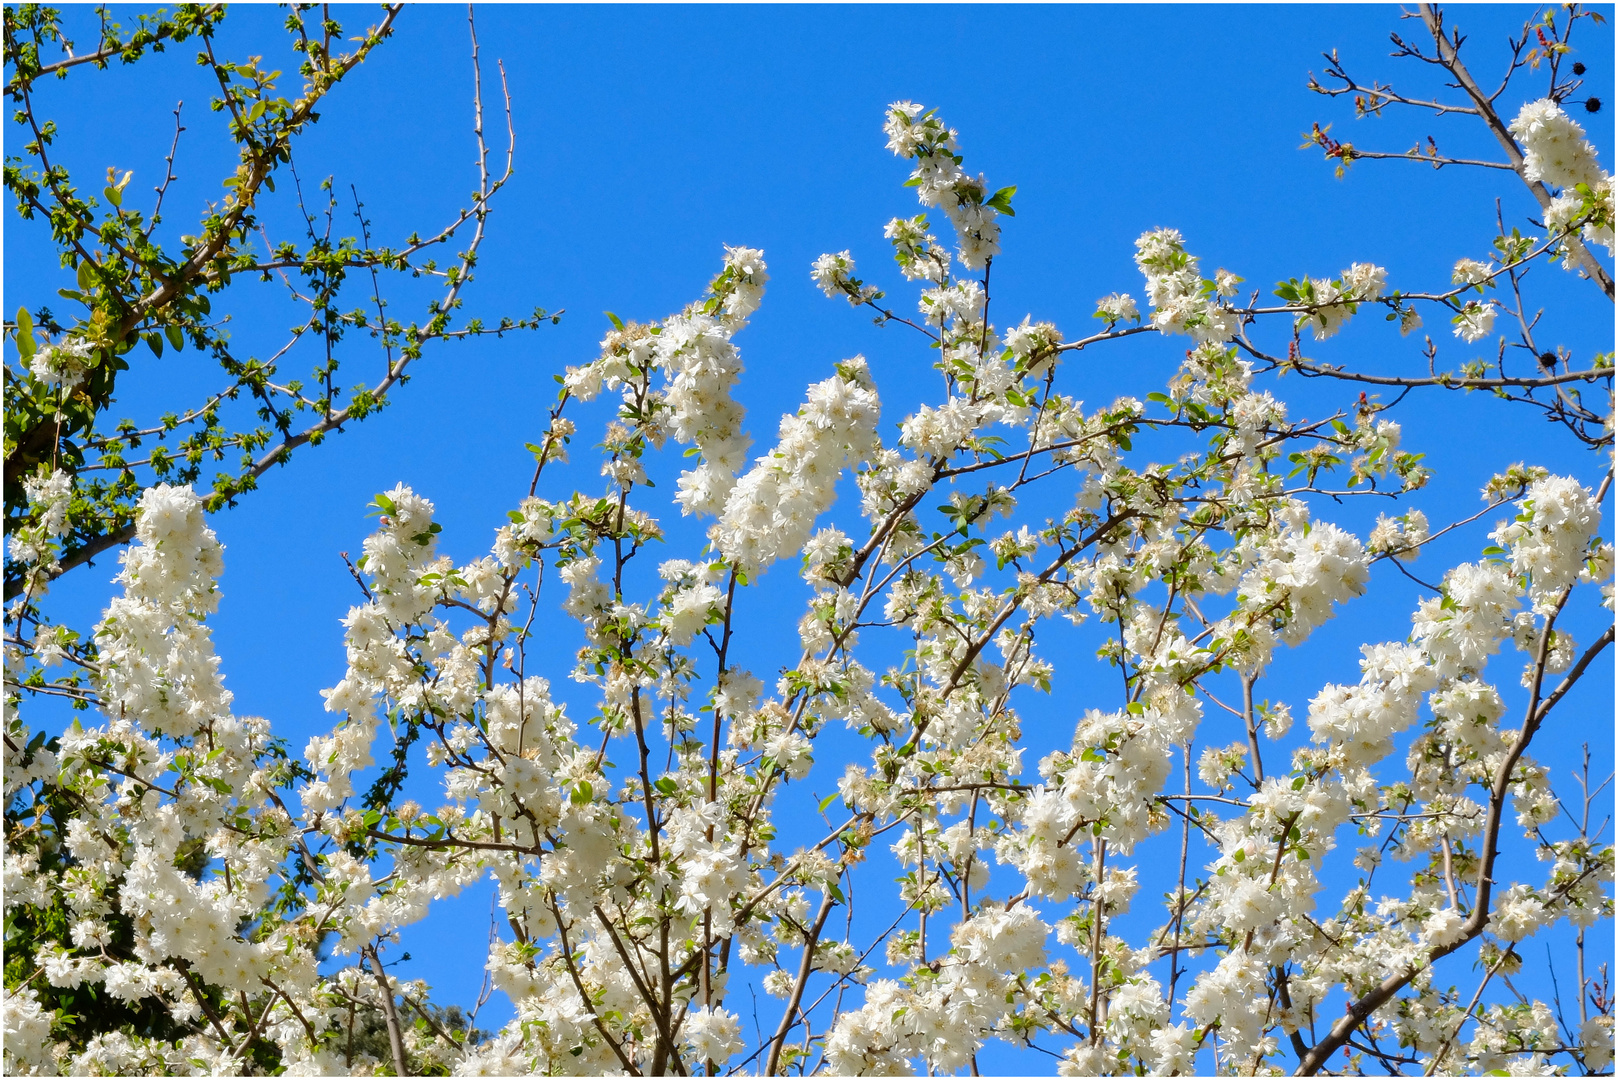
(648, 137)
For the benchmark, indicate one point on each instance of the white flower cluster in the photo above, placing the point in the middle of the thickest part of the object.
(1400, 536)
(27, 1033)
(713, 1034)
(1475, 321)
(50, 495)
(1362, 720)
(703, 365)
(157, 658)
(64, 364)
(915, 132)
(834, 274)
(1548, 543)
(700, 363)
(740, 286)
(1107, 784)
(1556, 152)
(1117, 307)
(772, 509)
(1180, 299)
(1334, 301)
(945, 1017)
(1303, 570)
(1472, 272)
(916, 250)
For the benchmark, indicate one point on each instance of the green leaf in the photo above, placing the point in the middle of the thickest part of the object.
(616, 321)
(87, 279)
(666, 786)
(827, 801)
(25, 335)
(175, 335)
(1001, 200)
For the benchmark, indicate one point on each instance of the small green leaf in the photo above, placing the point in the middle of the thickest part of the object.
(827, 801)
(1001, 200)
(25, 335)
(175, 335)
(616, 321)
(86, 275)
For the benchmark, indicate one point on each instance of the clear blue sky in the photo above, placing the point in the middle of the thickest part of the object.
(648, 137)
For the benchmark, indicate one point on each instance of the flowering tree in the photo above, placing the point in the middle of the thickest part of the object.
(1347, 897)
(138, 291)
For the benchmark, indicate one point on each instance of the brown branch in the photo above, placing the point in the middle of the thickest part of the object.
(1449, 57)
(164, 31)
(804, 969)
(391, 1013)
